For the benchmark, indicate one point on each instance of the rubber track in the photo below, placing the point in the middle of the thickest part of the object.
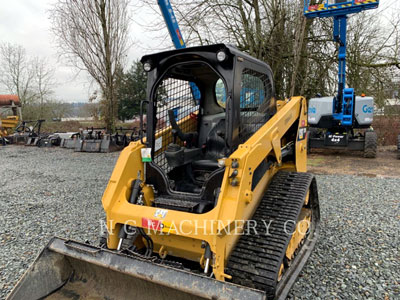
(255, 262)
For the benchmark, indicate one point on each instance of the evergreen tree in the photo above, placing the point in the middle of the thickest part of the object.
(131, 90)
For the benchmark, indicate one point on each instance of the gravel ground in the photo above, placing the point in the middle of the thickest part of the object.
(357, 255)
(47, 192)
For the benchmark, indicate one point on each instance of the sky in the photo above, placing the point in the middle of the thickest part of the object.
(26, 23)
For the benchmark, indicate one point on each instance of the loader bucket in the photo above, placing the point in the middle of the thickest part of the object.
(67, 269)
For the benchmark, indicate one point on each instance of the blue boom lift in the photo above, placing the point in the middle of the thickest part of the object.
(332, 120)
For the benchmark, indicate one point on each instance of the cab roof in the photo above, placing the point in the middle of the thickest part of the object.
(198, 50)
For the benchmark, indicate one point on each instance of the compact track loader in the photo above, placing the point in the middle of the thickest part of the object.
(213, 202)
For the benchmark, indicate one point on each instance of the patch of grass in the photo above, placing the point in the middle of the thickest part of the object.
(315, 162)
(66, 126)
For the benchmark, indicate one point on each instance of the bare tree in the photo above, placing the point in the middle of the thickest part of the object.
(270, 30)
(17, 74)
(91, 110)
(44, 82)
(93, 36)
(300, 51)
(373, 55)
(58, 110)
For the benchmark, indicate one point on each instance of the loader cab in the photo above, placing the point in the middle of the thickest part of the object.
(202, 103)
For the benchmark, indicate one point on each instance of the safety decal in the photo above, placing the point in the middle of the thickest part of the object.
(302, 133)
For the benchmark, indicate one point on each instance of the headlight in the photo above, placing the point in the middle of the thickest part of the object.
(221, 56)
(147, 66)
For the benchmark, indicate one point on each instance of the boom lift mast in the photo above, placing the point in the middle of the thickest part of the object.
(172, 24)
(343, 106)
(176, 35)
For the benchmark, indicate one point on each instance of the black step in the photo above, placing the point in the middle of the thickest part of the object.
(175, 204)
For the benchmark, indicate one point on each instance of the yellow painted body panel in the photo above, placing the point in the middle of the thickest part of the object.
(183, 233)
(8, 124)
(302, 227)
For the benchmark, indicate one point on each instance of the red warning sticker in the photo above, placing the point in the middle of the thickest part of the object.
(151, 224)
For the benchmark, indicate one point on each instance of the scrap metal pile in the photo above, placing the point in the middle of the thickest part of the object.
(97, 140)
(86, 140)
(15, 131)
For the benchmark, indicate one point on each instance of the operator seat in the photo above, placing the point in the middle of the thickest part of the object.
(215, 148)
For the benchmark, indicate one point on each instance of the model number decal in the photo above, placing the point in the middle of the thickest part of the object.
(160, 213)
(335, 138)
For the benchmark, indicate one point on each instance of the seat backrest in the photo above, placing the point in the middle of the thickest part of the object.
(215, 143)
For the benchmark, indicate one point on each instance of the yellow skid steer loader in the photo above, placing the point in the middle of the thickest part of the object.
(213, 202)
(10, 116)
